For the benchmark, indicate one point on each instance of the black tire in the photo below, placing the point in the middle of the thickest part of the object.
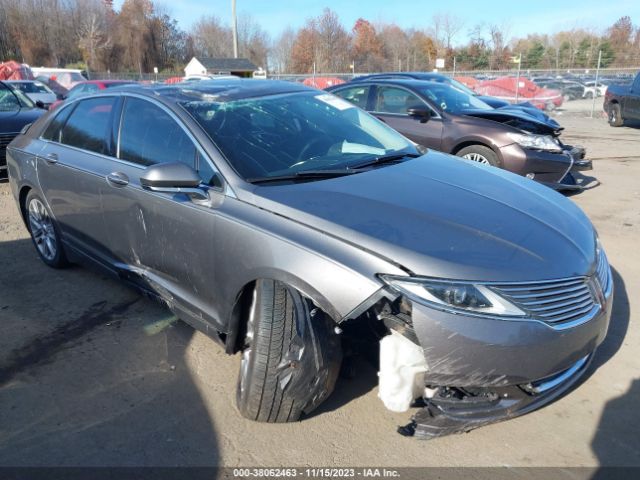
(484, 152)
(44, 231)
(291, 358)
(614, 116)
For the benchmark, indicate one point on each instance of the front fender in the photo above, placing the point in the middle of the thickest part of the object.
(336, 275)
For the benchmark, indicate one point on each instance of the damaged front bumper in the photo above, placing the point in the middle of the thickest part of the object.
(459, 410)
(478, 371)
(553, 169)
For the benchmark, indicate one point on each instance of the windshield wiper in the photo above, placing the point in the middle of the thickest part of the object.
(383, 159)
(303, 175)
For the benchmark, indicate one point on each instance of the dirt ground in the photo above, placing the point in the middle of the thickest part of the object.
(92, 374)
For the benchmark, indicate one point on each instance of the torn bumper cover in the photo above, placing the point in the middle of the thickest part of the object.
(458, 410)
(484, 370)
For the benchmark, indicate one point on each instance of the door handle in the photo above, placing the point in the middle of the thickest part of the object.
(51, 158)
(118, 179)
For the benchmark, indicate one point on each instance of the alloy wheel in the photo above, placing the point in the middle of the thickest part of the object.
(42, 230)
(476, 157)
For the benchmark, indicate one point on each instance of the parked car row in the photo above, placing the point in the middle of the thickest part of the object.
(276, 218)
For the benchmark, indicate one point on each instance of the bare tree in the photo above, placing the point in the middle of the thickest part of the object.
(281, 51)
(211, 38)
(253, 41)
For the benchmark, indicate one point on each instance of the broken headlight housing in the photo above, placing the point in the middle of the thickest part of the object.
(456, 297)
(538, 142)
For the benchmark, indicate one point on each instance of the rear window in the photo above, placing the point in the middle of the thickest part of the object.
(55, 127)
(88, 125)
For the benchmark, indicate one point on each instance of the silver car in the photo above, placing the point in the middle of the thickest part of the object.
(276, 218)
(36, 91)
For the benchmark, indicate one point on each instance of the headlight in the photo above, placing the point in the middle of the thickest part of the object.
(539, 142)
(454, 296)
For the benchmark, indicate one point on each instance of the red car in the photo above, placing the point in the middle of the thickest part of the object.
(504, 88)
(91, 86)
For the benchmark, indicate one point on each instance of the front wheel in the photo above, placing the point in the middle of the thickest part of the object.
(44, 232)
(291, 355)
(615, 116)
(480, 154)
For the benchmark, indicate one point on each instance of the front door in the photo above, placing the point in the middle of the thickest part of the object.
(390, 105)
(164, 241)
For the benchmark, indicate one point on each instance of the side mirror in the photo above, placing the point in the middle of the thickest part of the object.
(421, 113)
(40, 104)
(173, 178)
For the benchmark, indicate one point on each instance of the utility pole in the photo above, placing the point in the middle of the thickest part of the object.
(518, 77)
(234, 25)
(595, 86)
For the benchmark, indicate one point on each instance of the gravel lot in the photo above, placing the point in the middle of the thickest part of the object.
(93, 374)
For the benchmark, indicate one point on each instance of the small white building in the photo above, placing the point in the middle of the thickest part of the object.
(241, 67)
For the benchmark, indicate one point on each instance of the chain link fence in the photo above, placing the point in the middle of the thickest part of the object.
(623, 74)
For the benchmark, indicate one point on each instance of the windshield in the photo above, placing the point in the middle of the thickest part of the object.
(462, 87)
(450, 99)
(293, 133)
(13, 99)
(31, 87)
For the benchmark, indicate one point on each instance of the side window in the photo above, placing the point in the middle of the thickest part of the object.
(89, 124)
(54, 130)
(148, 135)
(395, 100)
(76, 91)
(356, 95)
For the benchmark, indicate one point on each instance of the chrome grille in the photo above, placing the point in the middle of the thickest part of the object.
(602, 271)
(5, 139)
(553, 301)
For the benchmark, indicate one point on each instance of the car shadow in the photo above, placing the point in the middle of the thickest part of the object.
(616, 443)
(618, 325)
(92, 374)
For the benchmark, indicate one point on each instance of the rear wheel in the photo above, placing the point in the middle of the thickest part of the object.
(291, 355)
(44, 232)
(615, 116)
(480, 154)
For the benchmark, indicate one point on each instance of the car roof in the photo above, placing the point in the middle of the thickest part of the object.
(410, 82)
(216, 90)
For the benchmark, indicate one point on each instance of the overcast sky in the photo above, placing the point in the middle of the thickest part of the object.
(522, 17)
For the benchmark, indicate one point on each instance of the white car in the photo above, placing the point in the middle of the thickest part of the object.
(590, 89)
(36, 91)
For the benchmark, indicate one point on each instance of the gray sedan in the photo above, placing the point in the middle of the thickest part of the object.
(274, 217)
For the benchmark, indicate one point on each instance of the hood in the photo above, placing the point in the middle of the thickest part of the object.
(446, 217)
(518, 117)
(14, 120)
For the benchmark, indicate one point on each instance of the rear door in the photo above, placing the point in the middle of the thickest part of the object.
(390, 104)
(165, 242)
(77, 144)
